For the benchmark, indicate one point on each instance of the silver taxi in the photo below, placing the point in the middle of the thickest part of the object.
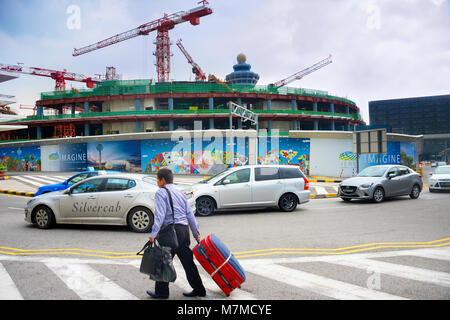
(119, 199)
(252, 186)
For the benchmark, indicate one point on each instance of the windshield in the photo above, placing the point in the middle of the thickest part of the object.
(214, 176)
(373, 172)
(151, 180)
(442, 170)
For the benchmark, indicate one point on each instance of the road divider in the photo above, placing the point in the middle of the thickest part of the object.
(17, 193)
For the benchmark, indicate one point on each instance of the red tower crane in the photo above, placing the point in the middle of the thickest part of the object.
(162, 26)
(299, 75)
(59, 76)
(199, 74)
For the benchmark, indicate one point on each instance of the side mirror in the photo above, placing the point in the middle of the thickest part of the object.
(226, 181)
(391, 175)
(68, 191)
(430, 174)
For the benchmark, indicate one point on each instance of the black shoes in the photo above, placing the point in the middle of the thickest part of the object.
(194, 294)
(156, 296)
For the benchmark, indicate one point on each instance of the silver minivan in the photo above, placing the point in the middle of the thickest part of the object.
(252, 186)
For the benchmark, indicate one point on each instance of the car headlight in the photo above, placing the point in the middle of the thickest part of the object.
(366, 185)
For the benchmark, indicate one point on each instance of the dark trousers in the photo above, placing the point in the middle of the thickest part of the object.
(186, 257)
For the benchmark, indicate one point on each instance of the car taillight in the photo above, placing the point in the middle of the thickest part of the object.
(306, 183)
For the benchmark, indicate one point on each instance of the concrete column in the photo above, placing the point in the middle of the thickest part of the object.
(315, 106)
(269, 107)
(239, 120)
(294, 108)
(72, 109)
(39, 111)
(171, 122)
(86, 125)
(333, 126)
(138, 108)
(332, 107)
(316, 125)
(39, 133)
(211, 107)
(347, 109)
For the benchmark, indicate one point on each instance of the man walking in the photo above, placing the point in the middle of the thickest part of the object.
(181, 217)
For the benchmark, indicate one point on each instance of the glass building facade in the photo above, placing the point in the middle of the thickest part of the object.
(428, 116)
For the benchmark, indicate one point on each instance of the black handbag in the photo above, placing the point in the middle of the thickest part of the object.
(157, 262)
(167, 236)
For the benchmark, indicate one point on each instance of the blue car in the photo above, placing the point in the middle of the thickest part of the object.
(71, 181)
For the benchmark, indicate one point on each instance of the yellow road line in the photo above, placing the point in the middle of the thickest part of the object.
(240, 255)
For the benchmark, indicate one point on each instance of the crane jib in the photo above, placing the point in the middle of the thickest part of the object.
(166, 23)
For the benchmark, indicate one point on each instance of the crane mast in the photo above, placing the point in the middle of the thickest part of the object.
(162, 26)
(299, 75)
(199, 74)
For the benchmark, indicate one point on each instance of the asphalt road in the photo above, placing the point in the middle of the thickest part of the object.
(326, 249)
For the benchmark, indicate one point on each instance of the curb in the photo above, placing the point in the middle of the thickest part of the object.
(323, 196)
(326, 180)
(17, 193)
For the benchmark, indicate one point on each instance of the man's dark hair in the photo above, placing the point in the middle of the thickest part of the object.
(166, 174)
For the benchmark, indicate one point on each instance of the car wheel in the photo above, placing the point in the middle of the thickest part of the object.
(415, 192)
(204, 206)
(378, 195)
(140, 220)
(43, 217)
(288, 202)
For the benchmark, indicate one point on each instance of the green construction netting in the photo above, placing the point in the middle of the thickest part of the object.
(354, 116)
(123, 87)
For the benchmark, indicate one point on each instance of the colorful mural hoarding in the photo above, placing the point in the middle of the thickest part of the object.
(288, 151)
(401, 153)
(64, 157)
(21, 158)
(192, 156)
(122, 156)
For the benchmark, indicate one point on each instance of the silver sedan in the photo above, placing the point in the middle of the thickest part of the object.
(379, 182)
(120, 199)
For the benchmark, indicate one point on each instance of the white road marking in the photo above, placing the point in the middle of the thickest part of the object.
(13, 208)
(318, 284)
(397, 270)
(87, 283)
(35, 178)
(320, 190)
(51, 179)
(27, 181)
(8, 290)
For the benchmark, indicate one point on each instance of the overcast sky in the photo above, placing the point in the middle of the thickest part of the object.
(381, 49)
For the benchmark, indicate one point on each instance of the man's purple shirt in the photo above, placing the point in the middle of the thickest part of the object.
(182, 210)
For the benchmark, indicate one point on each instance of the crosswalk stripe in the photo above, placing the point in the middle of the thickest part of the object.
(52, 179)
(88, 283)
(27, 181)
(208, 282)
(318, 284)
(430, 254)
(397, 270)
(35, 178)
(8, 290)
(320, 190)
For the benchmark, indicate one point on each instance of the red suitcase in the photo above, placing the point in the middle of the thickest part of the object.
(218, 261)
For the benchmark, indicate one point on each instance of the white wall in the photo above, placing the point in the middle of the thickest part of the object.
(325, 158)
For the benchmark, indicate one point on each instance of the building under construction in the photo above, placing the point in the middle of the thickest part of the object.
(130, 106)
(111, 106)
